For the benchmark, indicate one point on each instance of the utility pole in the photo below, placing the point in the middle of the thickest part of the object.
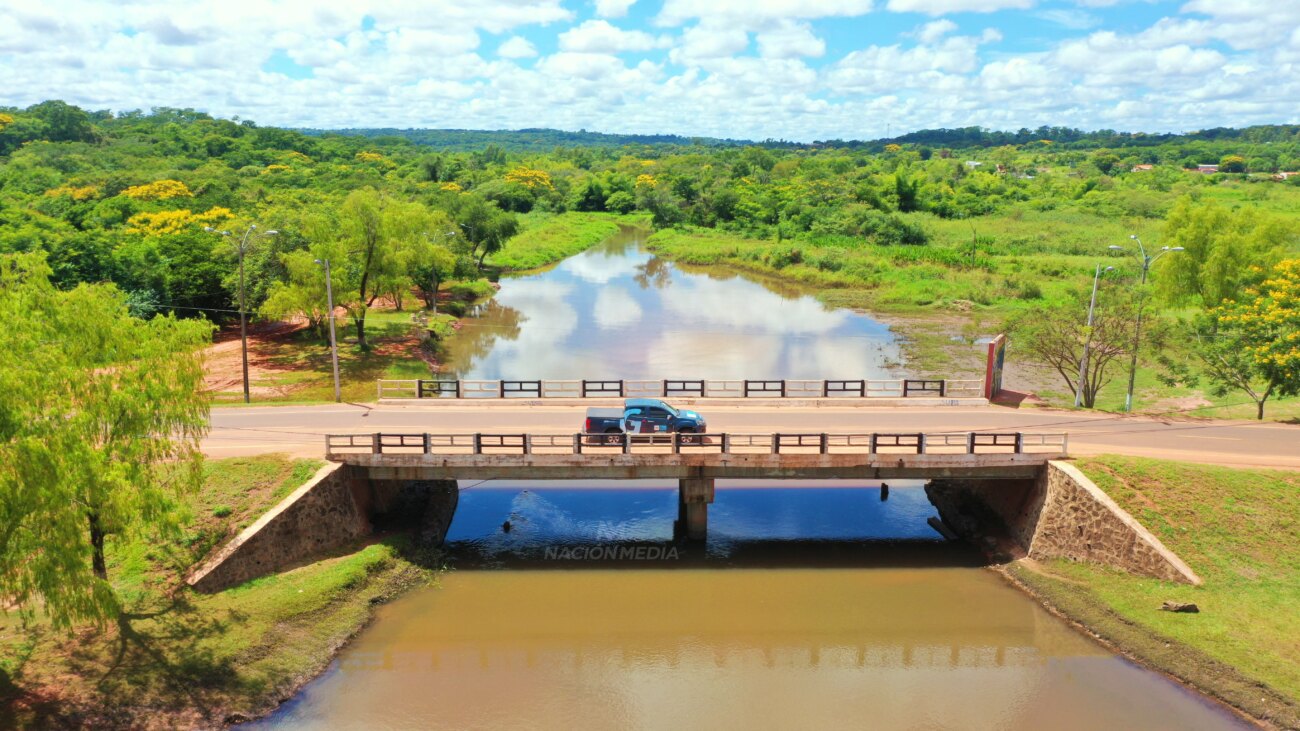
(1137, 329)
(334, 343)
(243, 315)
(1087, 343)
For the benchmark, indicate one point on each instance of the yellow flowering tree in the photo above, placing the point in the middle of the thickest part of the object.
(1252, 344)
(159, 190)
(6, 120)
(374, 158)
(530, 178)
(163, 223)
(77, 193)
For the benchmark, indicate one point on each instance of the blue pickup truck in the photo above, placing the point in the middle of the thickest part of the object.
(643, 416)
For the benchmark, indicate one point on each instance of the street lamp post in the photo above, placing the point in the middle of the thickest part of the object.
(243, 317)
(334, 343)
(1137, 329)
(1087, 342)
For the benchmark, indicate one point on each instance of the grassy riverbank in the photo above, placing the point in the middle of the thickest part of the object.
(181, 659)
(1236, 528)
(548, 238)
(939, 302)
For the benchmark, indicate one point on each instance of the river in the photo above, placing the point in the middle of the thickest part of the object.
(811, 605)
(619, 311)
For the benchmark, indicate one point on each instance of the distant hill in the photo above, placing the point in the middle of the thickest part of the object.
(536, 140)
(545, 140)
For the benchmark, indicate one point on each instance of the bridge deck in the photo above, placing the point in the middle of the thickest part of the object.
(773, 456)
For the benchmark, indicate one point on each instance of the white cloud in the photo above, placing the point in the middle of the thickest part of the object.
(432, 43)
(613, 8)
(1072, 18)
(790, 40)
(598, 36)
(934, 30)
(705, 41)
(516, 47)
(420, 63)
(752, 13)
(943, 7)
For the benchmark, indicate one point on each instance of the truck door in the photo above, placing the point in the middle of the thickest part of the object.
(659, 419)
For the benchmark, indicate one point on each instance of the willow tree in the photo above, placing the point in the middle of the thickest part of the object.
(99, 430)
(374, 243)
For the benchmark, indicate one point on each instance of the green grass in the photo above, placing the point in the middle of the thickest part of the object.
(187, 659)
(1237, 529)
(548, 238)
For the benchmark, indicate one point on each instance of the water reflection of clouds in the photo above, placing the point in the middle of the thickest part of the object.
(549, 319)
(615, 308)
(737, 303)
(591, 318)
(601, 268)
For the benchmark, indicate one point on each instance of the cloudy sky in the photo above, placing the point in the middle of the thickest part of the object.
(792, 69)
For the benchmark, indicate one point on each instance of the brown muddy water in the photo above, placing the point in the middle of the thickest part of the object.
(815, 606)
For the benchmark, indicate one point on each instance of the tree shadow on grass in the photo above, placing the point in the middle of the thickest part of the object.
(161, 659)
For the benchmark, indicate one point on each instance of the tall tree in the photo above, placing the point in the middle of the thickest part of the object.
(374, 244)
(1224, 250)
(99, 431)
(1251, 344)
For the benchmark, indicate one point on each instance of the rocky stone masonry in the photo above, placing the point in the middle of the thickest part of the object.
(1080, 522)
(1061, 514)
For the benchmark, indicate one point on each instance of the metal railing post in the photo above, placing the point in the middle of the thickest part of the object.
(824, 442)
(776, 443)
(478, 443)
(427, 446)
(875, 444)
(920, 443)
(626, 441)
(677, 442)
(577, 443)
(376, 445)
(943, 387)
(782, 388)
(726, 443)
(1020, 442)
(458, 394)
(970, 443)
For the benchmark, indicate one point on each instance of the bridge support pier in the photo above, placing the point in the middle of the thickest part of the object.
(693, 499)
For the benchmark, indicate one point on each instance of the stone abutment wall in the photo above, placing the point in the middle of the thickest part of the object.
(336, 507)
(1061, 514)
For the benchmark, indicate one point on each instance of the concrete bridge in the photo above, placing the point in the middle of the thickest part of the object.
(696, 460)
(1006, 491)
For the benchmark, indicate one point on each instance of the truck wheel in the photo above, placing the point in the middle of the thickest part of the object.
(613, 436)
(688, 437)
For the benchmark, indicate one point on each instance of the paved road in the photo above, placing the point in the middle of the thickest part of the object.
(300, 430)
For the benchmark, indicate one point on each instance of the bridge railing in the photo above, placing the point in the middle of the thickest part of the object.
(479, 443)
(860, 388)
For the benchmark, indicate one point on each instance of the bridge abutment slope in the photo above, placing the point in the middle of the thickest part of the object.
(338, 506)
(1058, 514)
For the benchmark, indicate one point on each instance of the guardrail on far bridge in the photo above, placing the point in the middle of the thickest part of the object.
(862, 388)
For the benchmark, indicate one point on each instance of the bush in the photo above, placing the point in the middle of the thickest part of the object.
(471, 291)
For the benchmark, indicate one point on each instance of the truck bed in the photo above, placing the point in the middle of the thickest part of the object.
(615, 414)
